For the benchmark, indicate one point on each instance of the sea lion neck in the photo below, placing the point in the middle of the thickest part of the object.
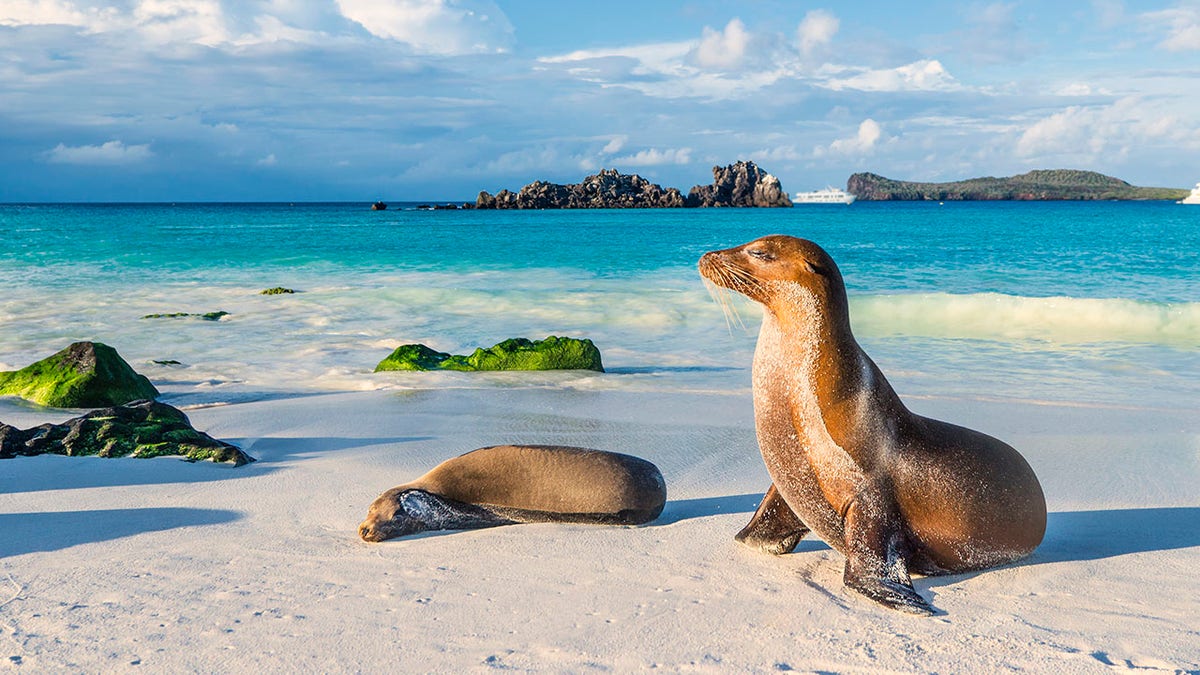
(814, 327)
(817, 315)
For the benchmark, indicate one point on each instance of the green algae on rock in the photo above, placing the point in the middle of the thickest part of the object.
(553, 353)
(207, 316)
(278, 290)
(84, 375)
(137, 429)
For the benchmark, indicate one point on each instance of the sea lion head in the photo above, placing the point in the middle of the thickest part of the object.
(398, 512)
(763, 268)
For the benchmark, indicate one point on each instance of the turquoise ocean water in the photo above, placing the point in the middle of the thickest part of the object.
(1087, 303)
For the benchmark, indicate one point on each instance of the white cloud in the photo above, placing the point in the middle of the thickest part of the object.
(522, 161)
(1182, 26)
(112, 153)
(654, 58)
(863, 142)
(1075, 89)
(1080, 89)
(782, 153)
(615, 144)
(155, 21)
(816, 30)
(723, 50)
(428, 26)
(655, 157)
(198, 21)
(925, 75)
(269, 160)
(40, 12)
(444, 27)
(1094, 132)
(664, 70)
(273, 29)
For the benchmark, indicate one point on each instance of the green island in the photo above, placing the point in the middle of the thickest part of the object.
(553, 353)
(1042, 184)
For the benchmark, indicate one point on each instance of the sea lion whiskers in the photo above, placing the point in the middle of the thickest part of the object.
(723, 297)
(723, 279)
(891, 490)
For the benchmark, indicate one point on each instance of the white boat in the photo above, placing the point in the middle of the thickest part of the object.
(1193, 198)
(829, 195)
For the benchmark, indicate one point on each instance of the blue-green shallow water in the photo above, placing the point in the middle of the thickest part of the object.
(1095, 303)
(1140, 250)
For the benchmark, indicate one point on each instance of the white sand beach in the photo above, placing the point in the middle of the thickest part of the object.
(124, 565)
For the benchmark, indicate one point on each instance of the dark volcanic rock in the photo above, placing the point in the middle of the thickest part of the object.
(137, 429)
(608, 189)
(84, 375)
(207, 316)
(740, 184)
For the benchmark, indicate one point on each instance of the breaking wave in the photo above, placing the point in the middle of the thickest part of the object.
(1063, 320)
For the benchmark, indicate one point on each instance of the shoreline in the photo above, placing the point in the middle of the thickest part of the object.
(120, 564)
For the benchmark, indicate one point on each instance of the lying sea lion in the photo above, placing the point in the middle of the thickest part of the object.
(891, 490)
(507, 484)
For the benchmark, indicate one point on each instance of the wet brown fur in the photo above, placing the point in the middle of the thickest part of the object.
(520, 484)
(895, 491)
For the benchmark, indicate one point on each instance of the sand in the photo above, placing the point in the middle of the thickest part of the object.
(123, 565)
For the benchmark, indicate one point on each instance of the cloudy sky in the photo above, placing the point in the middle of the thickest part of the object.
(171, 100)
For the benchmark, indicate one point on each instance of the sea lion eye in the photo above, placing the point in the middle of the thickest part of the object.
(761, 254)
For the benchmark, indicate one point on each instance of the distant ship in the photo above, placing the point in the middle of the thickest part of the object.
(1193, 198)
(379, 206)
(829, 195)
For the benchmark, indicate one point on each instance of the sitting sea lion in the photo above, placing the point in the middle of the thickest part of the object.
(891, 490)
(507, 484)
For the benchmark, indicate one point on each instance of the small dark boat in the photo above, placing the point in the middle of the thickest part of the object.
(379, 206)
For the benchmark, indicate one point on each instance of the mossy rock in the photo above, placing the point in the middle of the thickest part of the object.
(84, 375)
(278, 290)
(207, 316)
(553, 353)
(137, 429)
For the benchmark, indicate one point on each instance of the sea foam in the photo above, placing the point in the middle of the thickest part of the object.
(1061, 320)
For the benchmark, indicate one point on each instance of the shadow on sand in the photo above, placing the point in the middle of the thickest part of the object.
(1070, 535)
(54, 531)
(678, 510)
(275, 449)
(72, 473)
(1095, 535)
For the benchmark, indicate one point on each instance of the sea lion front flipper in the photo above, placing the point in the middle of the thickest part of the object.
(775, 528)
(436, 512)
(875, 560)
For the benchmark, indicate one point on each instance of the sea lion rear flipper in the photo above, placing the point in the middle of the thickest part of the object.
(775, 528)
(876, 564)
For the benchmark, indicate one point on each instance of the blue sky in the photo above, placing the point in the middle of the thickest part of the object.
(174, 100)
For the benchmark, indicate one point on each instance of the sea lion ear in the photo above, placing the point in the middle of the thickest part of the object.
(814, 268)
